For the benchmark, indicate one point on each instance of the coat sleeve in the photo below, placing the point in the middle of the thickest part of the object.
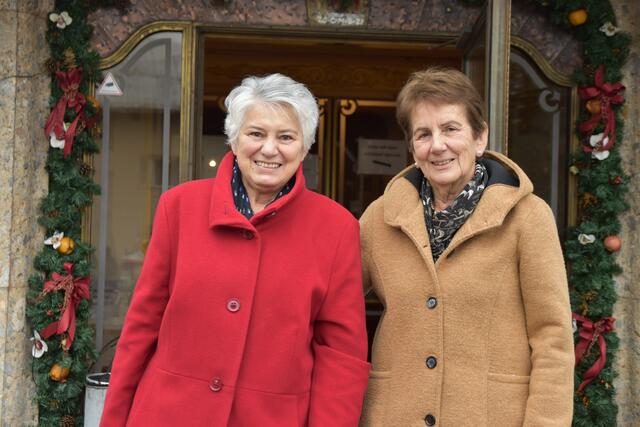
(340, 341)
(548, 318)
(365, 221)
(137, 341)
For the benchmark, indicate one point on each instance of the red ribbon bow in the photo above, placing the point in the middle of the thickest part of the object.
(75, 290)
(590, 332)
(69, 82)
(607, 94)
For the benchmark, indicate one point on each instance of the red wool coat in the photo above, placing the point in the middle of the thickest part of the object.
(243, 323)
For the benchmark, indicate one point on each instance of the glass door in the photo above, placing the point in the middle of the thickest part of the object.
(138, 160)
(486, 61)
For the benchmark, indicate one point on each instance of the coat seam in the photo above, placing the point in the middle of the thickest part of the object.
(333, 263)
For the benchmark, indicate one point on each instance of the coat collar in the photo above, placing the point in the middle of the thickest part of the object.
(508, 184)
(222, 209)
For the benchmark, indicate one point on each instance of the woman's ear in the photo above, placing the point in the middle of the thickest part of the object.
(482, 141)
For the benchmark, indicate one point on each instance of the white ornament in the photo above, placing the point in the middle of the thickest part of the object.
(39, 346)
(54, 141)
(598, 141)
(600, 155)
(55, 239)
(609, 29)
(586, 239)
(62, 20)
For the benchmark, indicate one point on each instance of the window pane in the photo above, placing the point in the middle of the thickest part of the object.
(138, 161)
(539, 131)
(374, 151)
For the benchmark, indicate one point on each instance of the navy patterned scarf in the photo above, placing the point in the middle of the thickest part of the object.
(443, 225)
(240, 196)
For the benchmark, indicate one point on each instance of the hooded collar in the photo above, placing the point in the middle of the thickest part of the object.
(222, 209)
(508, 184)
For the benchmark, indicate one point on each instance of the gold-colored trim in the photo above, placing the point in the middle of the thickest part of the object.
(507, 69)
(347, 108)
(87, 211)
(335, 125)
(186, 103)
(218, 100)
(125, 49)
(188, 69)
(322, 111)
(380, 104)
(532, 52)
(362, 36)
(541, 62)
(497, 71)
(572, 184)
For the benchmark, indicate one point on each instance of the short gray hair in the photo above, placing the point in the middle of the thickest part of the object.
(273, 89)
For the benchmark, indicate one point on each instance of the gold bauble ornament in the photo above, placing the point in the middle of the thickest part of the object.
(589, 199)
(69, 58)
(94, 102)
(594, 106)
(578, 17)
(58, 373)
(67, 245)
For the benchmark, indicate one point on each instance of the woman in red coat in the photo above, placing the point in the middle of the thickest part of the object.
(248, 310)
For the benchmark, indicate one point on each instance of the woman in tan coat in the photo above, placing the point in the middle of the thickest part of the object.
(466, 260)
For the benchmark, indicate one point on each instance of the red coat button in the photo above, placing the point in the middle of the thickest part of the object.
(233, 305)
(216, 385)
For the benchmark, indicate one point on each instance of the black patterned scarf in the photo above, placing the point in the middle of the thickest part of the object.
(240, 196)
(443, 225)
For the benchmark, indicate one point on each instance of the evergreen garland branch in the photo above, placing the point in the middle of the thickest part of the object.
(592, 267)
(59, 393)
(602, 187)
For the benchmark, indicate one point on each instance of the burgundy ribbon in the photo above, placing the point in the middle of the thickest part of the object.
(75, 290)
(607, 94)
(590, 332)
(69, 82)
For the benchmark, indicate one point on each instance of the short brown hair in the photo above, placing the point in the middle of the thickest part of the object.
(440, 86)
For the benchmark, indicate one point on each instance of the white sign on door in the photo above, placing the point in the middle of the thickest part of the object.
(109, 86)
(381, 156)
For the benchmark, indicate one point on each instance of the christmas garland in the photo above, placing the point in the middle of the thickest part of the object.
(58, 304)
(58, 300)
(602, 185)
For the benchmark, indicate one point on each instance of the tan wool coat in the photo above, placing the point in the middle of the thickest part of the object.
(482, 337)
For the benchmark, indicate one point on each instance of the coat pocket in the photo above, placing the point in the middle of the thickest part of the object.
(373, 412)
(506, 399)
(260, 408)
(168, 399)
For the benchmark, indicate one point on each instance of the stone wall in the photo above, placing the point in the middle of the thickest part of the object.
(24, 92)
(529, 21)
(627, 310)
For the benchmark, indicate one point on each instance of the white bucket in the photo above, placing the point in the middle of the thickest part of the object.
(94, 396)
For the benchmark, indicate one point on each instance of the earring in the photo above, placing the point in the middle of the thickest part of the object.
(479, 154)
(416, 165)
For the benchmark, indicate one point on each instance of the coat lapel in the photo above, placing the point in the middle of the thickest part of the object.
(403, 209)
(222, 209)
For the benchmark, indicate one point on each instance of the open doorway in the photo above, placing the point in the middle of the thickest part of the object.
(359, 145)
(356, 83)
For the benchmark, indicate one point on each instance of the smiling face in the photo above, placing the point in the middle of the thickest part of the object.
(269, 150)
(444, 148)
